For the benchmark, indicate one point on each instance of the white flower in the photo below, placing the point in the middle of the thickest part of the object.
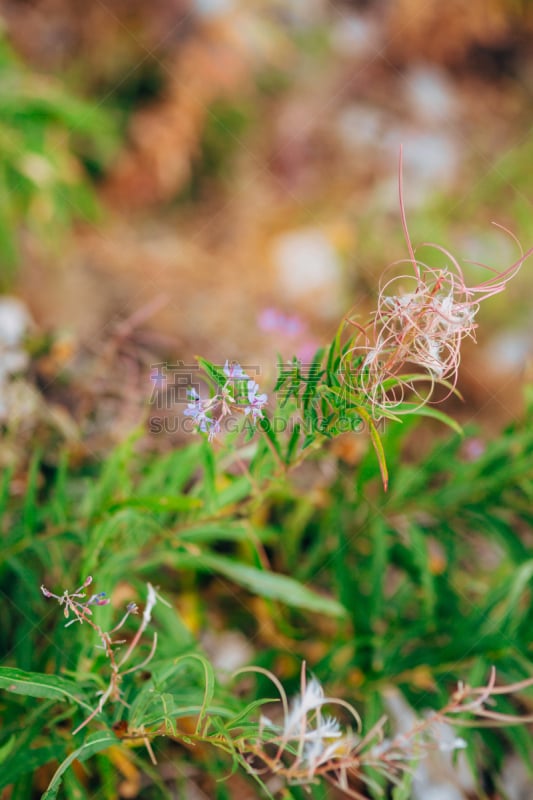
(328, 728)
(151, 600)
(455, 744)
(312, 699)
(320, 751)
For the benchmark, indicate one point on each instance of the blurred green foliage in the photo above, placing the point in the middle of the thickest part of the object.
(50, 141)
(417, 588)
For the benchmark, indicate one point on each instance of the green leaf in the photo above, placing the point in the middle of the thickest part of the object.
(215, 373)
(334, 349)
(35, 684)
(257, 581)
(293, 443)
(510, 615)
(168, 474)
(389, 383)
(6, 748)
(420, 552)
(28, 761)
(30, 511)
(159, 503)
(404, 790)
(169, 693)
(229, 532)
(267, 429)
(209, 675)
(95, 743)
(122, 524)
(378, 445)
(272, 585)
(209, 487)
(237, 490)
(429, 411)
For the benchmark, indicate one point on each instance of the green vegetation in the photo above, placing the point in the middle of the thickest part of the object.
(49, 139)
(417, 588)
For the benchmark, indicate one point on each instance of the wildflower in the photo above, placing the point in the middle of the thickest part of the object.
(231, 392)
(82, 613)
(151, 600)
(473, 449)
(99, 599)
(333, 753)
(309, 745)
(255, 401)
(239, 390)
(234, 371)
(421, 325)
(424, 327)
(317, 739)
(311, 699)
(266, 722)
(71, 601)
(197, 410)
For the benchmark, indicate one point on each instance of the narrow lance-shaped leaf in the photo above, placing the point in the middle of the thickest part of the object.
(378, 445)
(95, 743)
(35, 684)
(28, 760)
(258, 581)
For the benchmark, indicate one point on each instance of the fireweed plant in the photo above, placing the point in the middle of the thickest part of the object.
(371, 372)
(305, 746)
(236, 392)
(309, 744)
(121, 706)
(75, 603)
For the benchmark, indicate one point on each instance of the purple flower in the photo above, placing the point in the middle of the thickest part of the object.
(214, 428)
(99, 599)
(234, 371)
(197, 410)
(255, 401)
(231, 391)
(239, 393)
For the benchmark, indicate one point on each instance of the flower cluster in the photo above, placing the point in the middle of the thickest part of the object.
(71, 601)
(419, 324)
(308, 744)
(319, 738)
(420, 329)
(81, 609)
(238, 393)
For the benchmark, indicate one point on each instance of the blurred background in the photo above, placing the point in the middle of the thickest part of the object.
(220, 177)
